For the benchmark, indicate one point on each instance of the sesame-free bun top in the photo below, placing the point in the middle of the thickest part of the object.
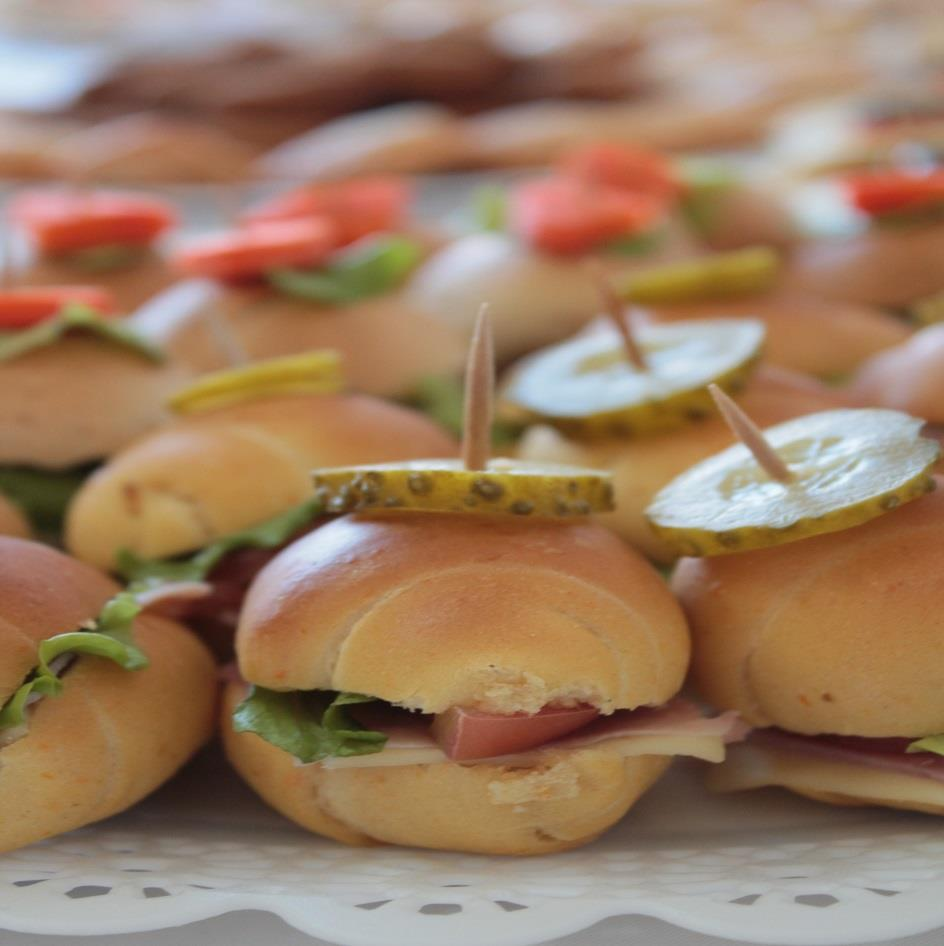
(822, 337)
(432, 610)
(838, 633)
(885, 266)
(79, 399)
(641, 466)
(12, 520)
(112, 735)
(909, 377)
(386, 344)
(210, 474)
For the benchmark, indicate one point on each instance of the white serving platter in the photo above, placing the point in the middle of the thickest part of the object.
(763, 868)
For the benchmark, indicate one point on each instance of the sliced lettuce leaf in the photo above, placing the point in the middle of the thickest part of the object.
(637, 245)
(109, 636)
(145, 574)
(310, 725)
(370, 267)
(76, 318)
(705, 183)
(928, 744)
(490, 208)
(105, 258)
(441, 399)
(43, 495)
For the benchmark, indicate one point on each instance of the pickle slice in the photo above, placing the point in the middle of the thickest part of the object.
(512, 487)
(848, 466)
(313, 372)
(719, 276)
(587, 388)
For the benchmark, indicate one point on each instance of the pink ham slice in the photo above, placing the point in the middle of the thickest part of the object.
(678, 717)
(887, 754)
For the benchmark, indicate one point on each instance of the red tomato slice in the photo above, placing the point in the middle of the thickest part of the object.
(890, 191)
(465, 735)
(625, 167)
(65, 221)
(357, 208)
(249, 253)
(567, 216)
(26, 306)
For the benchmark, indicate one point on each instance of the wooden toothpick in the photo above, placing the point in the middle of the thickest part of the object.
(479, 393)
(751, 436)
(614, 308)
(226, 340)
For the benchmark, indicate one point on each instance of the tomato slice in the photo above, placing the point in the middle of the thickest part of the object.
(357, 208)
(253, 251)
(65, 221)
(626, 167)
(567, 216)
(465, 735)
(890, 191)
(23, 307)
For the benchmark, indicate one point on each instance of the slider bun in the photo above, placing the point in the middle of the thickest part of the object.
(885, 266)
(534, 298)
(386, 344)
(131, 285)
(642, 466)
(487, 809)
(79, 400)
(748, 766)
(838, 633)
(909, 377)
(815, 336)
(12, 521)
(433, 610)
(113, 735)
(210, 474)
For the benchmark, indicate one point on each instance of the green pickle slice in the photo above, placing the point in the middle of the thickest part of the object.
(587, 388)
(512, 487)
(848, 466)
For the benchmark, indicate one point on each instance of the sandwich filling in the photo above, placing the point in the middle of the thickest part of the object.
(348, 730)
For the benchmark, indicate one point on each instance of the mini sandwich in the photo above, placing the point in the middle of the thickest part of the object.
(100, 704)
(76, 385)
(321, 268)
(815, 605)
(462, 661)
(108, 238)
(218, 490)
(528, 261)
(893, 261)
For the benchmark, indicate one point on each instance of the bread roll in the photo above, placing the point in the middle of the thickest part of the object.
(839, 633)
(210, 474)
(642, 466)
(431, 611)
(79, 400)
(113, 735)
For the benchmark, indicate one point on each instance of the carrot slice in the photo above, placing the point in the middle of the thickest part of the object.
(62, 221)
(253, 251)
(891, 191)
(23, 307)
(566, 216)
(357, 207)
(625, 167)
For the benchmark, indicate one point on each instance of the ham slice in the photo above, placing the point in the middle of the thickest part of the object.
(889, 755)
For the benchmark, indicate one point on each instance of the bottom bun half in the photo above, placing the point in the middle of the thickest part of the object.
(836, 783)
(478, 808)
(110, 738)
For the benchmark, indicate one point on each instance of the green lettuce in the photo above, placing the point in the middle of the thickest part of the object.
(705, 183)
(370, 267)
(309, 724)
(109, 636)
(103, 259)
(441, 399)
(928, 744)
(76, 318)
(43, 495)
(145, 574)
(490, 208)
(637, 245)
